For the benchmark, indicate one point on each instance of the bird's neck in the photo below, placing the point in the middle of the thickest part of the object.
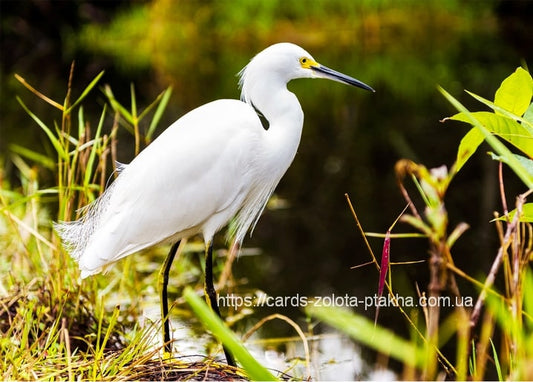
(285, 121)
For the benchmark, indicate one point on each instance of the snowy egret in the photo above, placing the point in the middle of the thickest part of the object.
(215, 163)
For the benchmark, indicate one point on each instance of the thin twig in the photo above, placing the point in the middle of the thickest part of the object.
(511, 228)
(278, 316)
(502, 189)
(226, 271)
(442, 359)
(38, 93)
(358, 223)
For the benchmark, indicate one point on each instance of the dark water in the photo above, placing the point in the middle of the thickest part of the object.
(351, 138)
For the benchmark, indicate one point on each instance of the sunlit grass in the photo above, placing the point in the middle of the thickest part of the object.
(53, 326)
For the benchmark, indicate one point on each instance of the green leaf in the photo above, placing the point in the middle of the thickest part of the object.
(211, 321)
(94, 149)
(525, 123)
(363, 330)
(515, 92)
(504, 127)
(133, 102)
(499, 147)
(163, 98)
(525, 217)
(468, 146)
(528, 116)
(496, 361)
(53, 139)
(85, 92)
(525, 162)
(117, 106)
(33, 155)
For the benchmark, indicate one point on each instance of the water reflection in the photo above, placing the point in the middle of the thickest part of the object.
(333, 356)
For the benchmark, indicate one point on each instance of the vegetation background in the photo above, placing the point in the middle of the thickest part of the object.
(308, 239)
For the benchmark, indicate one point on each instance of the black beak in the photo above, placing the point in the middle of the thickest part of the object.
(325, 72)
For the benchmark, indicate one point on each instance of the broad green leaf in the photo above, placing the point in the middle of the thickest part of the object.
(525, 123)
(515, 92)
(499, 147)
(468, 146)
(525, 162)
(504, 127)
(525, 217)
(528, 116)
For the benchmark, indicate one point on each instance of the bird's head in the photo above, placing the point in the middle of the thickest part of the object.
(284, 62)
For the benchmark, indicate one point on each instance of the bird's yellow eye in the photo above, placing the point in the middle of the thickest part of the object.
(306, 62)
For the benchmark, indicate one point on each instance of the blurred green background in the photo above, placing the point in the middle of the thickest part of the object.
(351, 138)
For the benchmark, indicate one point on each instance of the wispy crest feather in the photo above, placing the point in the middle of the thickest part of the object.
(243, 74)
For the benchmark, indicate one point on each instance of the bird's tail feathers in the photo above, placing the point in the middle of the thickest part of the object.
(75, 235)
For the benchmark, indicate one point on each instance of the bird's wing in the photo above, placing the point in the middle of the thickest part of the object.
(192, 178)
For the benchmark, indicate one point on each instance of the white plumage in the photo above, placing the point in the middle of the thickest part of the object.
(214, 163)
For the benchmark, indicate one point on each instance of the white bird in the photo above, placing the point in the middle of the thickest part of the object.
(215, 163)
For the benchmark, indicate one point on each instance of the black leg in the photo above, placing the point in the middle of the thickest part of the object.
(163, 283)
(211, 294)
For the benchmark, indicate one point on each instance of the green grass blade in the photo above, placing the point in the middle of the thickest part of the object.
(33, 155)
(94, 149)
(528, 303)
(363, 330)
(81, 122)
(496, 361)
(472, 366)
(421, 191)
(163, 99)
(53, 139)
(211, 321)
(117, 106)
(133, 102)
(85, 91)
